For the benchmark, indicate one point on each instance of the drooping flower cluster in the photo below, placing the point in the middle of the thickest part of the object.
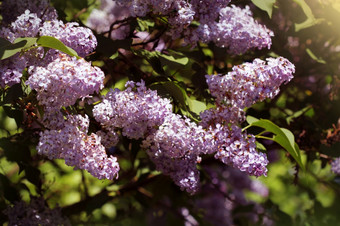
(245, 85)
(175, 148)
(35, 213)
(238, 149)
(230, 27)
(137, 110)
(78, 149)
(64, 80)
(236, 30)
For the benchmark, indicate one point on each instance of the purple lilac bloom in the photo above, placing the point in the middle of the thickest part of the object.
(175, 138)
(175, 148)
(36, 212)
(78, 149)
(238, 149)
(81, 39)
(136, 110)
(11, 70)
(11, 9)
(238, 31)
(64, 80)
(336, 166)
(249, 83)
(26, 25)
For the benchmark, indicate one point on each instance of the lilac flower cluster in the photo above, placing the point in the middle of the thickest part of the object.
(64, 80)
(238, 149)
(249, 83)
(229, 27)
(175, 148)
(240, 88)
(78, 149)
(81, 39)
(30, 25)
(336, 166)
(35, 213)
(10, 9)
(245, 85)
(137, 110)
(236, 30)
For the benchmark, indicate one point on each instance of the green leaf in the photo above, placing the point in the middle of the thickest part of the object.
(8, 49)
(174, 57)
(265, 5)
(51, 42)
(197, 106)
(281, 136)
(312, 55)
(310, 21)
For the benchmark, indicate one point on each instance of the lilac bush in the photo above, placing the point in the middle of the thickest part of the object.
(171, 116)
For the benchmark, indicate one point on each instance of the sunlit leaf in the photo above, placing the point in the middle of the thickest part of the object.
(281, 136)
(265, 5)
(51, 42)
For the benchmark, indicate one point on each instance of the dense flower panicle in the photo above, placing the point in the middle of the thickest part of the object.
(175, 138)
(208, 11)
(11, 70)
(64, 80)
(136, 110)
(336, 166)
(35, 213)
(81, 39)
(175, 148)
(26, 25)
(238, 149)
(10, 9)
(109, 12)
(249, 83)
(78, 149)
(238, 31)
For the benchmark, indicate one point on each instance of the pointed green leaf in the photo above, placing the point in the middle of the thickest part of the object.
(282, 136)
(51, 42)
(8, 49)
